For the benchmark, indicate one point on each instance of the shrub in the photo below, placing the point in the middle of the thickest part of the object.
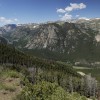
(47, 91)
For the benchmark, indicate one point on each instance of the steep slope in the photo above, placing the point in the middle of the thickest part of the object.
(52, 36)
(94, 24)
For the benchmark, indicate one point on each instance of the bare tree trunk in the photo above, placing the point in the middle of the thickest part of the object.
(71, 84)
(98, 95)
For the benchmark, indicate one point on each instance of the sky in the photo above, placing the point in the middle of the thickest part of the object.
(38, 11)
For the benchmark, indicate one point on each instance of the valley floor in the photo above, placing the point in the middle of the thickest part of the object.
(95, 72)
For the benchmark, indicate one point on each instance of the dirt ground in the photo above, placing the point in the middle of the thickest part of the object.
(9, 95)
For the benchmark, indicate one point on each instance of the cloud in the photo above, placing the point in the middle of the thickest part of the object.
(8, 21)
(66, 17)
(75, 6)
(61, 10)
(67, 10)
(16, 19)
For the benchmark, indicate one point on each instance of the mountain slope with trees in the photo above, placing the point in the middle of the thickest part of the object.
(74, 42)
(36, 70)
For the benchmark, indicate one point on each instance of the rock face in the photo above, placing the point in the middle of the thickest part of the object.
(94, 24)
(80, 39)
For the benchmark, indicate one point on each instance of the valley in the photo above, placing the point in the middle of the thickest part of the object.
(49, 50)
(59, 57)
(95, 72)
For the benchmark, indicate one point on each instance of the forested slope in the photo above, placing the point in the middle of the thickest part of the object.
(36, 70)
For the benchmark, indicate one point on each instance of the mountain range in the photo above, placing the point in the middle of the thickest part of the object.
(76, 41)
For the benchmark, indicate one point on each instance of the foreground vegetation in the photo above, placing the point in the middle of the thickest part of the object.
(42, 79)
(47, 91)
(11, 88)
(9, 83)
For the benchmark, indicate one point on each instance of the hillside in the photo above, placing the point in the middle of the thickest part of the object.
(35, 70)
(10, 55)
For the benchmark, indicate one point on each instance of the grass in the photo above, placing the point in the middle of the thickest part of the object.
(9, 83)
(7, 88)
(10, 88)
(9, 73)
(1, 86)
